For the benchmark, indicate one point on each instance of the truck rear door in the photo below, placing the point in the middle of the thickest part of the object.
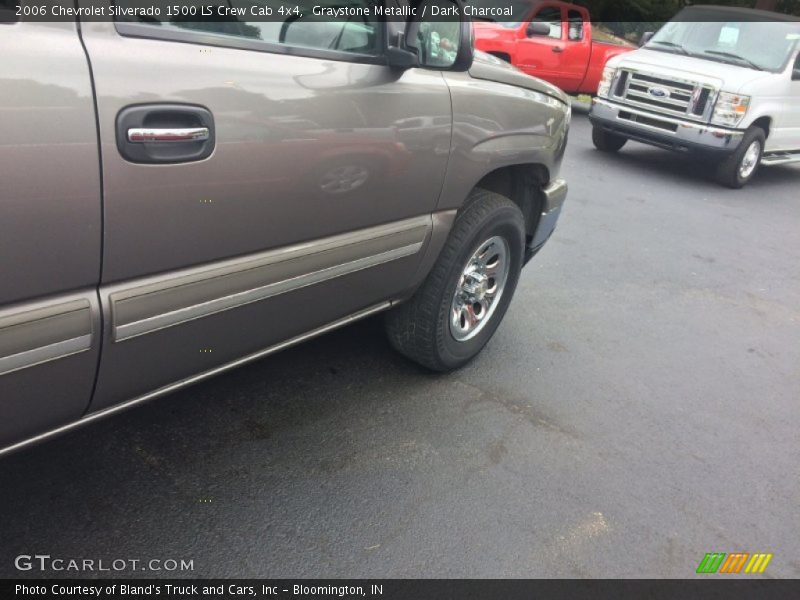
(50, 228)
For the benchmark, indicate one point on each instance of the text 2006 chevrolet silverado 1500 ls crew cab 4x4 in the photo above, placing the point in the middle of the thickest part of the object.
(723, 83)
(547, 39)
(178, 199)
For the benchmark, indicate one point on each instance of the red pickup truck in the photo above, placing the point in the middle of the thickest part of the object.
(547, 39)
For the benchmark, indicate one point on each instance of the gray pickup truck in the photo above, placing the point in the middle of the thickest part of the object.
(181, 197)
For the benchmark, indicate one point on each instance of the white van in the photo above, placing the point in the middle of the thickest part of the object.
(719, 81)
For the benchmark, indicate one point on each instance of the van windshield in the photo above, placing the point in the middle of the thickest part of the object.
(764, 46)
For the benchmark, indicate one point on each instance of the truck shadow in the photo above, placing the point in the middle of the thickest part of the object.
(147, 470)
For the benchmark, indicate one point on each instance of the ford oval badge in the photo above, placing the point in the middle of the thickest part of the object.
(658, 92)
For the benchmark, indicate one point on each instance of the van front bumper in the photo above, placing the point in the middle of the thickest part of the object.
(662, 131)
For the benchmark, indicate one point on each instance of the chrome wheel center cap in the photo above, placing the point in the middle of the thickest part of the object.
(479, 288)
(475, 286)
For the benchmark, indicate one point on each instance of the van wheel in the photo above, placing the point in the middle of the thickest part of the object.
(459, 306)
(607, 141)
(740, 167)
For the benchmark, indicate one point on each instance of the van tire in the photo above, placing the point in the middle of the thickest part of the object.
(731, 171)
(421, 328)
(605, 141)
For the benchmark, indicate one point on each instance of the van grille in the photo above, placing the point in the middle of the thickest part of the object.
(673, 97)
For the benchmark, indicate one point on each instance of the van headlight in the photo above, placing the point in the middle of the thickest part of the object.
(730, 109)
(605, 82)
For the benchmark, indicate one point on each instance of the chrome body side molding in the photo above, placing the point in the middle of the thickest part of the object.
(33, 337)
(147, 306)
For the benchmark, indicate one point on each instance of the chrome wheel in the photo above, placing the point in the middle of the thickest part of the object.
(479, 288)
(343, 179)
(750, 160)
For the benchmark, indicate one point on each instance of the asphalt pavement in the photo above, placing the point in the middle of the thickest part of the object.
(638, 407)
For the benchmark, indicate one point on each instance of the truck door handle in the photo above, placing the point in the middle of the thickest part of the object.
(184, 134)
(165, 133)
(557, 49)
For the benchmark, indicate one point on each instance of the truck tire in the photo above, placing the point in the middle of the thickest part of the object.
(459, 306)
(740, 167)
(606, 141)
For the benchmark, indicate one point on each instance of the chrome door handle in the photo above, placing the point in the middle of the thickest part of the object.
(179, 134)
(165, 133)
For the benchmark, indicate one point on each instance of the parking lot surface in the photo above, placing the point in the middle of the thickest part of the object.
(638, 407)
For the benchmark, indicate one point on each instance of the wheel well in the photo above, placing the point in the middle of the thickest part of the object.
(522, 184)
(764, 123)
(501, 56)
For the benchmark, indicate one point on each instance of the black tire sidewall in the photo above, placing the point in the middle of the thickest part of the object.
(505, 223)
(728, 171)
(606, 141)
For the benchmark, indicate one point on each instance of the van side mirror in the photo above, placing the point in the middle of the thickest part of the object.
(537, 28)
(438, 36)
(646, 37)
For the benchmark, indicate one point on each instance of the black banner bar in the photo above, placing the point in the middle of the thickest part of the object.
(712, 587)
(499, 11)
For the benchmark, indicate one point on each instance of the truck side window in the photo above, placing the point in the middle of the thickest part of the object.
(575, 20)
(357, 34)
(552, 16)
